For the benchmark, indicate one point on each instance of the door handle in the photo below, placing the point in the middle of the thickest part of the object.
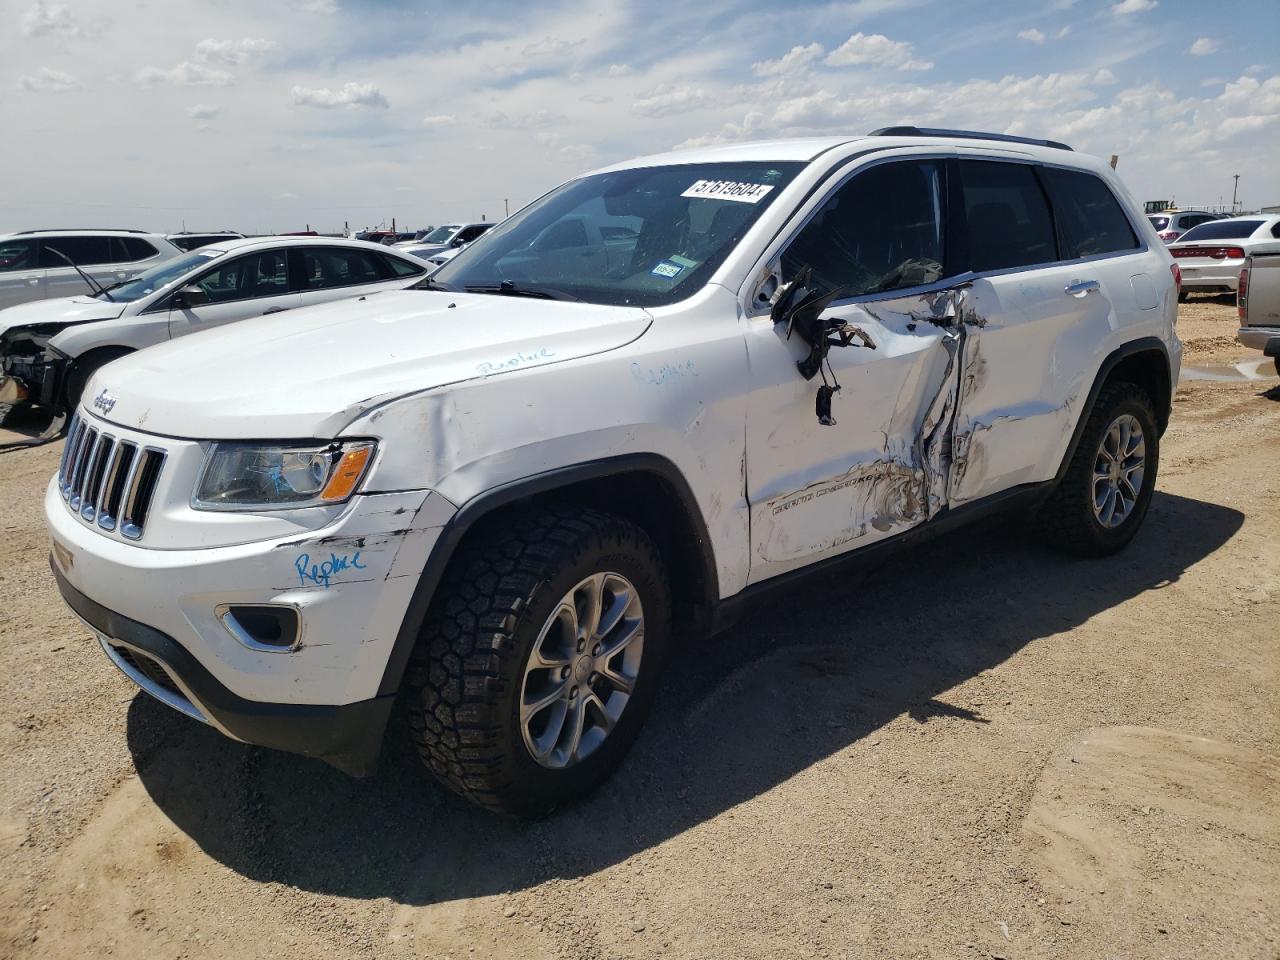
(1081, 288)
(274, 310)
(32, 280)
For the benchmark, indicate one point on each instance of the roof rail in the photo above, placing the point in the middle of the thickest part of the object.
(964, 135)
(84, 229)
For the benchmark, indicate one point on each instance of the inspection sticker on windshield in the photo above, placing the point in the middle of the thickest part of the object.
(666, 269)
(728, 190)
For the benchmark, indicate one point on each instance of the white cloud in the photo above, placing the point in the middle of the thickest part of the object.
(1246, 124)
(49, 19)
(875, 49)
(185, 74)
(203, 111)
(1062, 32)
(322, 7)
(795, 59)
(1125, 7)
(233, 52)
(1104, 77)
(49, 81)
(528, 121)
(664, 100)
(619, 69)
(551, 47)
(1203, 47)
(438, 120)
(595, 98)
(1033, 35)
(351, 95)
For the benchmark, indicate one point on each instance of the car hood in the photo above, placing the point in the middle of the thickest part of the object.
(310, 372)
(62, 310)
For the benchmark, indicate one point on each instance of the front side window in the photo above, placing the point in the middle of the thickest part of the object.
(647, 236)
(1090, 219)
(82, 249)
(1007, 215)
(880, 231)
(402, 268)
(131, 249)
(17, 255)
(325, 267)
(261, 274)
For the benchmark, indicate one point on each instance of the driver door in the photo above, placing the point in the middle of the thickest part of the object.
(252, 285)
(817, 490)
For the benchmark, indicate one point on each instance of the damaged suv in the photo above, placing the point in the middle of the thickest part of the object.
(647, 398)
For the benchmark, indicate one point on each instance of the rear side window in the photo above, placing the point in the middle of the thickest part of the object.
(402, 268)
(129, 249)
(1159, 222)
(880, 231)
(17, 255)
(83, 249)
(1008, 217)
(327, 267)
(1090, 219)
(1222, 230)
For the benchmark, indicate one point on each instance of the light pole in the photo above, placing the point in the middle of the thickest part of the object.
(1235, 187)
(506, 208)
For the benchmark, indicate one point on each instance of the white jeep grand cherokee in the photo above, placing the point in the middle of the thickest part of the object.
(643, 401)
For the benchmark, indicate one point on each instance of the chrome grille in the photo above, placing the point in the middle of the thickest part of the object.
(108, 481)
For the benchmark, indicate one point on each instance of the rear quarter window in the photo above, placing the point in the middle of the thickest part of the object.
(1089, 218)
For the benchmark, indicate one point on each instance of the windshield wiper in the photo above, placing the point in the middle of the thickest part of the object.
(99, 289)
(508, 288)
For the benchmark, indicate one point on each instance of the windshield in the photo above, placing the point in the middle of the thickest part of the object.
(1159, 222)
(1222, 230)
(147, 283)
(647, 236)
(441, 234)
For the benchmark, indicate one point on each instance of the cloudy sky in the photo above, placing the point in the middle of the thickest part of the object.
(255, 116)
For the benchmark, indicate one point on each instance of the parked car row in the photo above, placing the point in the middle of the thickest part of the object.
(1172, 224)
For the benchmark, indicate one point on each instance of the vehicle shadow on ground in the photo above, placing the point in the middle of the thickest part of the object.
(825, 665)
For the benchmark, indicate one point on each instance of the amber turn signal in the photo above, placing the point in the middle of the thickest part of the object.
(347, 474)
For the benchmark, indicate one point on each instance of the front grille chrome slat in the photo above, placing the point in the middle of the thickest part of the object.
(107, 481)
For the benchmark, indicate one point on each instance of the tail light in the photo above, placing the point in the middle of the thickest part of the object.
(1215, 253)
(1169, 235)
(1177, 277)
(1242, 295)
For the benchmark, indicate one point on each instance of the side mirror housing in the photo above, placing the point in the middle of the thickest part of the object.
(189, 296)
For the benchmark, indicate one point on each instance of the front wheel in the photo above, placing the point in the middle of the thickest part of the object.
(539, 658)
(1103, 497)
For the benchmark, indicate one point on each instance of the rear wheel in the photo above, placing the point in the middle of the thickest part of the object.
(539, 658)
(1103, 497)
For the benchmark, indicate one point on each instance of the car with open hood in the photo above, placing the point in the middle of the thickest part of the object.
(646, 401)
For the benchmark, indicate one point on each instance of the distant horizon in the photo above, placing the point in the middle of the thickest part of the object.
(262, 119)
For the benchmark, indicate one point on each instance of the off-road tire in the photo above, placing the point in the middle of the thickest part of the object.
(463, 685)
(83, 369)
(1066, 519)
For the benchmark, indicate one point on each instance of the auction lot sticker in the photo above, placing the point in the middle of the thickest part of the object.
(728, 190)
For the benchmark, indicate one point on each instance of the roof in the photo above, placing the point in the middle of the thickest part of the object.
(285, 241)
(110, 231)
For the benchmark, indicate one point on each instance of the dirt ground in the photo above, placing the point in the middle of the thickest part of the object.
(981, 750)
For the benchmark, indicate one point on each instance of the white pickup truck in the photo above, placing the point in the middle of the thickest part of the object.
(1258, 301)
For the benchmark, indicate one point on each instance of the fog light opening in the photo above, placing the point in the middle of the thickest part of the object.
(264, 627)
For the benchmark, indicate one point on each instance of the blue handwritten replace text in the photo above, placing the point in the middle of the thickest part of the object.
(512, 362)
(318, 574)
(657, 376)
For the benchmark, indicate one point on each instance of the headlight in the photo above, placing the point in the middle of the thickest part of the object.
(257, 476)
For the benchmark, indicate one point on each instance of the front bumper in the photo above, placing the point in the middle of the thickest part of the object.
(347, 736)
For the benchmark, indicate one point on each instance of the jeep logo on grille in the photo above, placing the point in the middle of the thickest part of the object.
(104, 401)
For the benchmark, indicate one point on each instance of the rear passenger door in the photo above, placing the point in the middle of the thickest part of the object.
(335, 273)
(1046, 292)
